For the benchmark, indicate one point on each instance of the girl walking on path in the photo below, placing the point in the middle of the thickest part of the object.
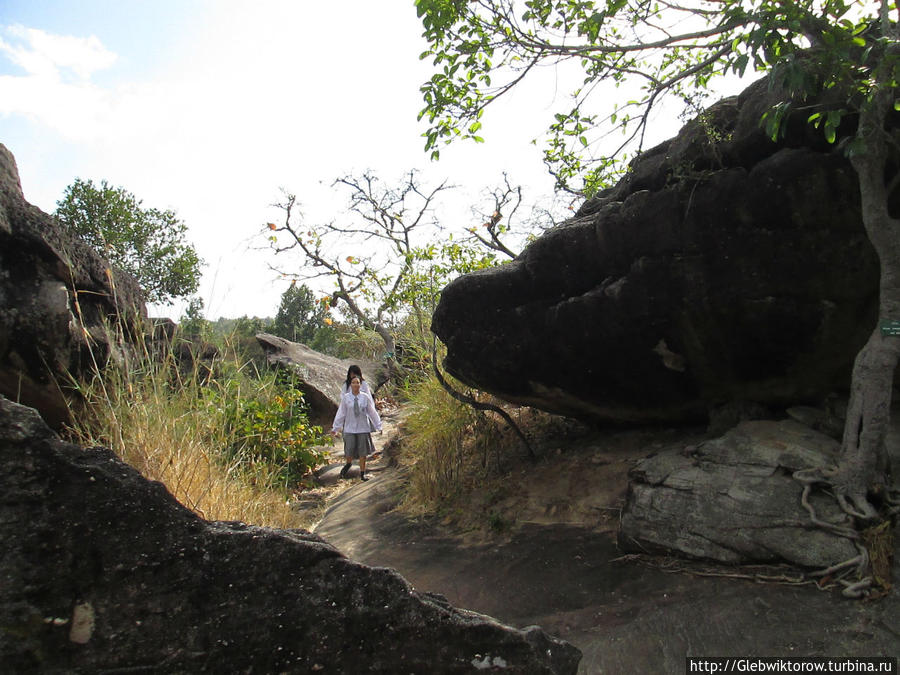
(356, 371)
(357, 408)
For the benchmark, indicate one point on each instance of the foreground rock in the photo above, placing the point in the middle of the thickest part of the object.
(734, 271)
(61, 311)
(103, 571)
(732, 499)
(320, 376)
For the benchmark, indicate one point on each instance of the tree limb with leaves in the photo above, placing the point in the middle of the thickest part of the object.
(482, 49)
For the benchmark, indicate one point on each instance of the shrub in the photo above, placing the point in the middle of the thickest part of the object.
(271, 425)
(163, 422)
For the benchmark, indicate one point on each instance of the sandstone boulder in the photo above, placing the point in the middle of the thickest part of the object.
(733, 499)
(103, 571)
(62, 309)
(725, 268)
(319, 376)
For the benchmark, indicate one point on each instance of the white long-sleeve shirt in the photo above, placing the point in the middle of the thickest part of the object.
(345, 420)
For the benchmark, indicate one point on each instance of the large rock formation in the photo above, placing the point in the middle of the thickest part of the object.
(319, 376)
(102, 571)
(61, 308)
(718, 271)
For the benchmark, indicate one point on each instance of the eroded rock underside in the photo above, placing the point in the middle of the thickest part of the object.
(721, 270)
(103, 570)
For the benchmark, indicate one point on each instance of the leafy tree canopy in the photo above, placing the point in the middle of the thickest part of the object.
(628, 56)
(193, 321)
(144, 242)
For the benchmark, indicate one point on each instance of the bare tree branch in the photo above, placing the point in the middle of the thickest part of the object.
(376, 213)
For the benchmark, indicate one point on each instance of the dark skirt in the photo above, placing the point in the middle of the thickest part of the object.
(358, 445)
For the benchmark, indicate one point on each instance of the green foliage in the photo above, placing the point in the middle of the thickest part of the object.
(270, 426)
(432, 267)
(325, 341)
(144, 242)
(479, 51)
(242, 327)
(302, 318)
(236, 338)
(354, 340)
(447, 447)
(193, 322)
(497, 522)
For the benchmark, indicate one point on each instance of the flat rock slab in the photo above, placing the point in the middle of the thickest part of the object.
(733, 499)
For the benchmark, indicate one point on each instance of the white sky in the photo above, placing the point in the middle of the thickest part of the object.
(209, 107)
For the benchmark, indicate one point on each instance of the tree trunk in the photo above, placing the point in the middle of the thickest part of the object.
(863, 471)
(390, 356)
(864, 462)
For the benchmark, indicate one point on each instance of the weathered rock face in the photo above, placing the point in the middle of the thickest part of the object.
(733, 499)
(715, 273)
(320, 375)
(103, 570)
(58, 305)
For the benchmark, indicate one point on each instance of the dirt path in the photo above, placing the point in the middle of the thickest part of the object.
(558, 567)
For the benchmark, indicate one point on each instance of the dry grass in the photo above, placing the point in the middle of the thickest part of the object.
(445, 449)
(158, 423)
(433, 445)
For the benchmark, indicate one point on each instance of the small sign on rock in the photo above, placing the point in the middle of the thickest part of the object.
(890, 328)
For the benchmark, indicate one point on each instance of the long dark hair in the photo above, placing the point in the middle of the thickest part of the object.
(351, 371)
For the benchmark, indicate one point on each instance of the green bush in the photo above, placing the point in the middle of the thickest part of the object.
(269, 424)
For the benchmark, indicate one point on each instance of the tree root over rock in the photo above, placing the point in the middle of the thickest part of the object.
(868, 574)
(770, 574)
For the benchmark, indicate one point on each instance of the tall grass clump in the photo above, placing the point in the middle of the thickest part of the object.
(228, 444)
(445, 446)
